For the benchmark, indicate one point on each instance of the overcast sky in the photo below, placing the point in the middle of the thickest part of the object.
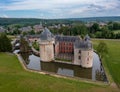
(59, 8)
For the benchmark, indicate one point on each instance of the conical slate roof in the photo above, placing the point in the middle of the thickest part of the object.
(83, 44)
(87, 37)
(46, 35)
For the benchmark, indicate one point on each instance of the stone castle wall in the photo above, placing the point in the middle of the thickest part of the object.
(83, 57)
(46, 51)
(77, 61)
(87, 58)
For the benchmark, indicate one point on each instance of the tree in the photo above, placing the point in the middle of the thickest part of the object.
(116, 26)
(24, 46)
(102, 49)
(110, 27)
(94, 28)
(32, 32)
(106, 33)
(24, 33)
(5, 43)
(98, 34)
(79, 29)
(36, 45)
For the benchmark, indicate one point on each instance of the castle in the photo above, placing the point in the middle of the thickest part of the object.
(74, 48)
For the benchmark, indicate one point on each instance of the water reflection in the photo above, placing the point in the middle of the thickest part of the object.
(35, 64)
(94, 73)
(26, 57)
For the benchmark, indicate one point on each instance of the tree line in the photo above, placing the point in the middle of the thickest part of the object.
(95, 31)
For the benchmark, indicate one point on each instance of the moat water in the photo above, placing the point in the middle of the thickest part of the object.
(95, 73)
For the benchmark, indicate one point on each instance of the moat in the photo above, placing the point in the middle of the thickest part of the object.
(96, 73)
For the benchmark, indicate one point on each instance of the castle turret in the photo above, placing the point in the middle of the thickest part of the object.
(46, 46)
(83, 53)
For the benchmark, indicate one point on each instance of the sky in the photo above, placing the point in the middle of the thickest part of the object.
(54, 9)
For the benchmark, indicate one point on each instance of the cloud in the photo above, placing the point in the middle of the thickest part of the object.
(63, 8)
(56, 4)
(4, 16)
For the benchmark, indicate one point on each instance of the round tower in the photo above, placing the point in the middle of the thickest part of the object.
(83, 53)
(87, 53)
(46, 46)
(87, 58)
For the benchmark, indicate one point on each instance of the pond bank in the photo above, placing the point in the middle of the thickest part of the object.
(56, 75)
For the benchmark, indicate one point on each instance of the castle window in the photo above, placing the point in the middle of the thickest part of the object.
(79, 51)
(87, 59)
(69, 48)
(79, 57)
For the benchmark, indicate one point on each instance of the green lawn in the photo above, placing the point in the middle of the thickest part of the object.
(11, 37)
(13, 78)
(116, 31)
(112, 60)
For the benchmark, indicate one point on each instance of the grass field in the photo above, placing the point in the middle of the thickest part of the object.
(112, 60)
(13, 78)
(116, 31)
(11, 37)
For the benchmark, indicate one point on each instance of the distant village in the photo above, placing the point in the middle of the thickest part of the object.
(39, 27)
(107, 30)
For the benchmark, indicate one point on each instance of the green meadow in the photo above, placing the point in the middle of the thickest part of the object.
(13, 78)
(112, 60)
(116, 31)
